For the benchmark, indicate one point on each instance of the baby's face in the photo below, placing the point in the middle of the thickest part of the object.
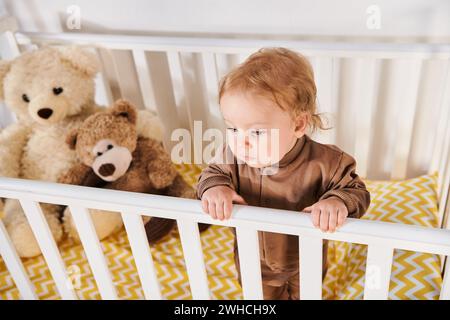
(259, 132)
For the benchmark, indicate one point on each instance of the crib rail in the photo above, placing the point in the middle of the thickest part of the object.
(224, 45)
(381, 237)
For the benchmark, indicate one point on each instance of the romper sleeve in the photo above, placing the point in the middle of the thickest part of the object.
(220, 171)
(346, 185)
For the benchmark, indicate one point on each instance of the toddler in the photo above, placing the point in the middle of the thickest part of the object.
(269, 104)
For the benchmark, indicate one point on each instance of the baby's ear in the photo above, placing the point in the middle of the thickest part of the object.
(5, 66)
(71, 139)
(80, 59)
(122, 108)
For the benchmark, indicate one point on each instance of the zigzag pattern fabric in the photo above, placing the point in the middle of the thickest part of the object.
(414, 275)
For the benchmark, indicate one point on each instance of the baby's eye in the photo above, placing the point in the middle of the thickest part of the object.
(258, 132)
(233, 130)
(25, 98)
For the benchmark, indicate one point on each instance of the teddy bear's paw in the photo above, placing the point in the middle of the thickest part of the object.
(188, 193)
(160, 179)
(23, 239)
(149, 125)
(105, 223)
(69, 228)
(21, 232)
(157, 228)
(52, 213)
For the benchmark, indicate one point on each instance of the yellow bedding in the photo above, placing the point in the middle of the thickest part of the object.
(415, 276)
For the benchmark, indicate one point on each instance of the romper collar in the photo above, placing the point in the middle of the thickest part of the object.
(293, 153)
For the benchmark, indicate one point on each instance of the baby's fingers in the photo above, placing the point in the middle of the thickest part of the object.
(219, 209)
(205, 205)
(315, 215)
(212, 209)
(332, 222)
(324, 217)
(228, 209)
(342, 215)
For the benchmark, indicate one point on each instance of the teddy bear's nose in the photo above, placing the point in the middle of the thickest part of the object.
(45, 113)
(107, 169)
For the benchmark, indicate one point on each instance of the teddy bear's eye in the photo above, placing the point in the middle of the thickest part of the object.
(25, 98)
(57, 90)
(99, 154)
(110, 146)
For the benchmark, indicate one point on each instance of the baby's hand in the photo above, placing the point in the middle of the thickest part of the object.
(218, 202)
(328, 214)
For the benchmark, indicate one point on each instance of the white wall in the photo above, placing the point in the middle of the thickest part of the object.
(428, 19)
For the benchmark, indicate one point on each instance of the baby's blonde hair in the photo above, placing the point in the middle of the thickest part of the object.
(281, 75)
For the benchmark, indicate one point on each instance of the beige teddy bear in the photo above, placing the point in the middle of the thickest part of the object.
(51, 91)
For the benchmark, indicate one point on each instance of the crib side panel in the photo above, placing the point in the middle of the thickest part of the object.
(94, 252)
(48, 247)
(15, 266)
(142, 255)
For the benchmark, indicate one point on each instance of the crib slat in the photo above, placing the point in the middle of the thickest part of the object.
(9, 48)
(193, 255)
(441, 152)
(94, 252)
(310, 268)
(325, 76)
(405, 97)
(365, 80)
(145, 82)
(241, 57)
(249, 260)
(103, 89)
(127, 77)
(142, 255)
(445, 288)
(214, 117)
(179, 90)
(443, 124)
(48, 247)
(378, 272)
(15, 266)
(444, 187)
(8, 51)
(211, 83)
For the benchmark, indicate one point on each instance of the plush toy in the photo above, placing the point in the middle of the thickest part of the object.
(51, 91)
(112, 156)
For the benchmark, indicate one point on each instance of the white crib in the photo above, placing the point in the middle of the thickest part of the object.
(396, 102)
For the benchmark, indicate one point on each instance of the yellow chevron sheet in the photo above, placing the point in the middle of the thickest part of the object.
(415, 276)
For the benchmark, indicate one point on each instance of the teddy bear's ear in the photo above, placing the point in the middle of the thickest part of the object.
(71, 139)
(80, 59)
(4, 69)
(122, 108)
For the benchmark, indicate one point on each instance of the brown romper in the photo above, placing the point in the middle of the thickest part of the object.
(309, 172)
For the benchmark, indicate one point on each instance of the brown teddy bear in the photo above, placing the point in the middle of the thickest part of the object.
(112, 156)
